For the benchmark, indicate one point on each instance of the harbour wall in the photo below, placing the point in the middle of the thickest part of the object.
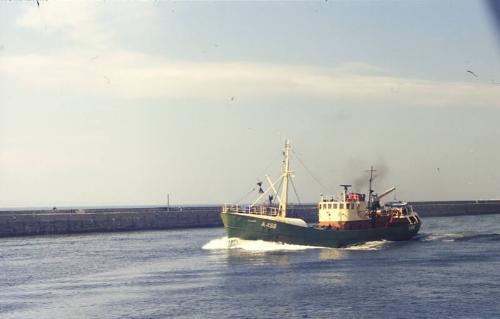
(68, 221)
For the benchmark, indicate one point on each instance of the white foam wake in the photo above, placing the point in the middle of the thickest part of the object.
(443, 237)
(251, 245)
(370, 245)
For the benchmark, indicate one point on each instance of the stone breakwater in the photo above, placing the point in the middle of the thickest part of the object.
(69, 221)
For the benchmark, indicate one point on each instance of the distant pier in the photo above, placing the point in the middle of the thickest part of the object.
(69, 221)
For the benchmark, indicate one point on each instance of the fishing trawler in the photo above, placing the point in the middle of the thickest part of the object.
(350, 218)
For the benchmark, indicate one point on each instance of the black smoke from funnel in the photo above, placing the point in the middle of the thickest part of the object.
(361, 183)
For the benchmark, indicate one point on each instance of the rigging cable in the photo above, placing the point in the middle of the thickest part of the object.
(245, 196)
(253, 189)
(295, 190)
(278, 190)
(273, 161)
(310, 173)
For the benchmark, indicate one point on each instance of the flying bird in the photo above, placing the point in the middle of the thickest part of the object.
(37, 3)
(469, 71)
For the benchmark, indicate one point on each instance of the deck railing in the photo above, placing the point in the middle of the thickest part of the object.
(258, 210)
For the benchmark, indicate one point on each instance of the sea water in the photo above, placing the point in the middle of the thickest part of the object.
(450, 270)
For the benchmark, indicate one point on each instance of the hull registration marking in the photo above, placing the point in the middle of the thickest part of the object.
(268, 225)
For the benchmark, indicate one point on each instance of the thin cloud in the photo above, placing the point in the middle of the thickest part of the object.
(136, 75)
(126, 74)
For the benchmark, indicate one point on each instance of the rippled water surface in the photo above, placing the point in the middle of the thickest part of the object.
(451, 270)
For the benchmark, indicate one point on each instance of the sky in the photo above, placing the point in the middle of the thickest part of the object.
(122, 103)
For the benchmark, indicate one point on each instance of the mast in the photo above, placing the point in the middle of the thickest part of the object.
(286, 174)
(370, 190)
(372, 209)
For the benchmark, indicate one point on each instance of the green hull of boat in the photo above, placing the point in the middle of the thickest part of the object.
(254, 227)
